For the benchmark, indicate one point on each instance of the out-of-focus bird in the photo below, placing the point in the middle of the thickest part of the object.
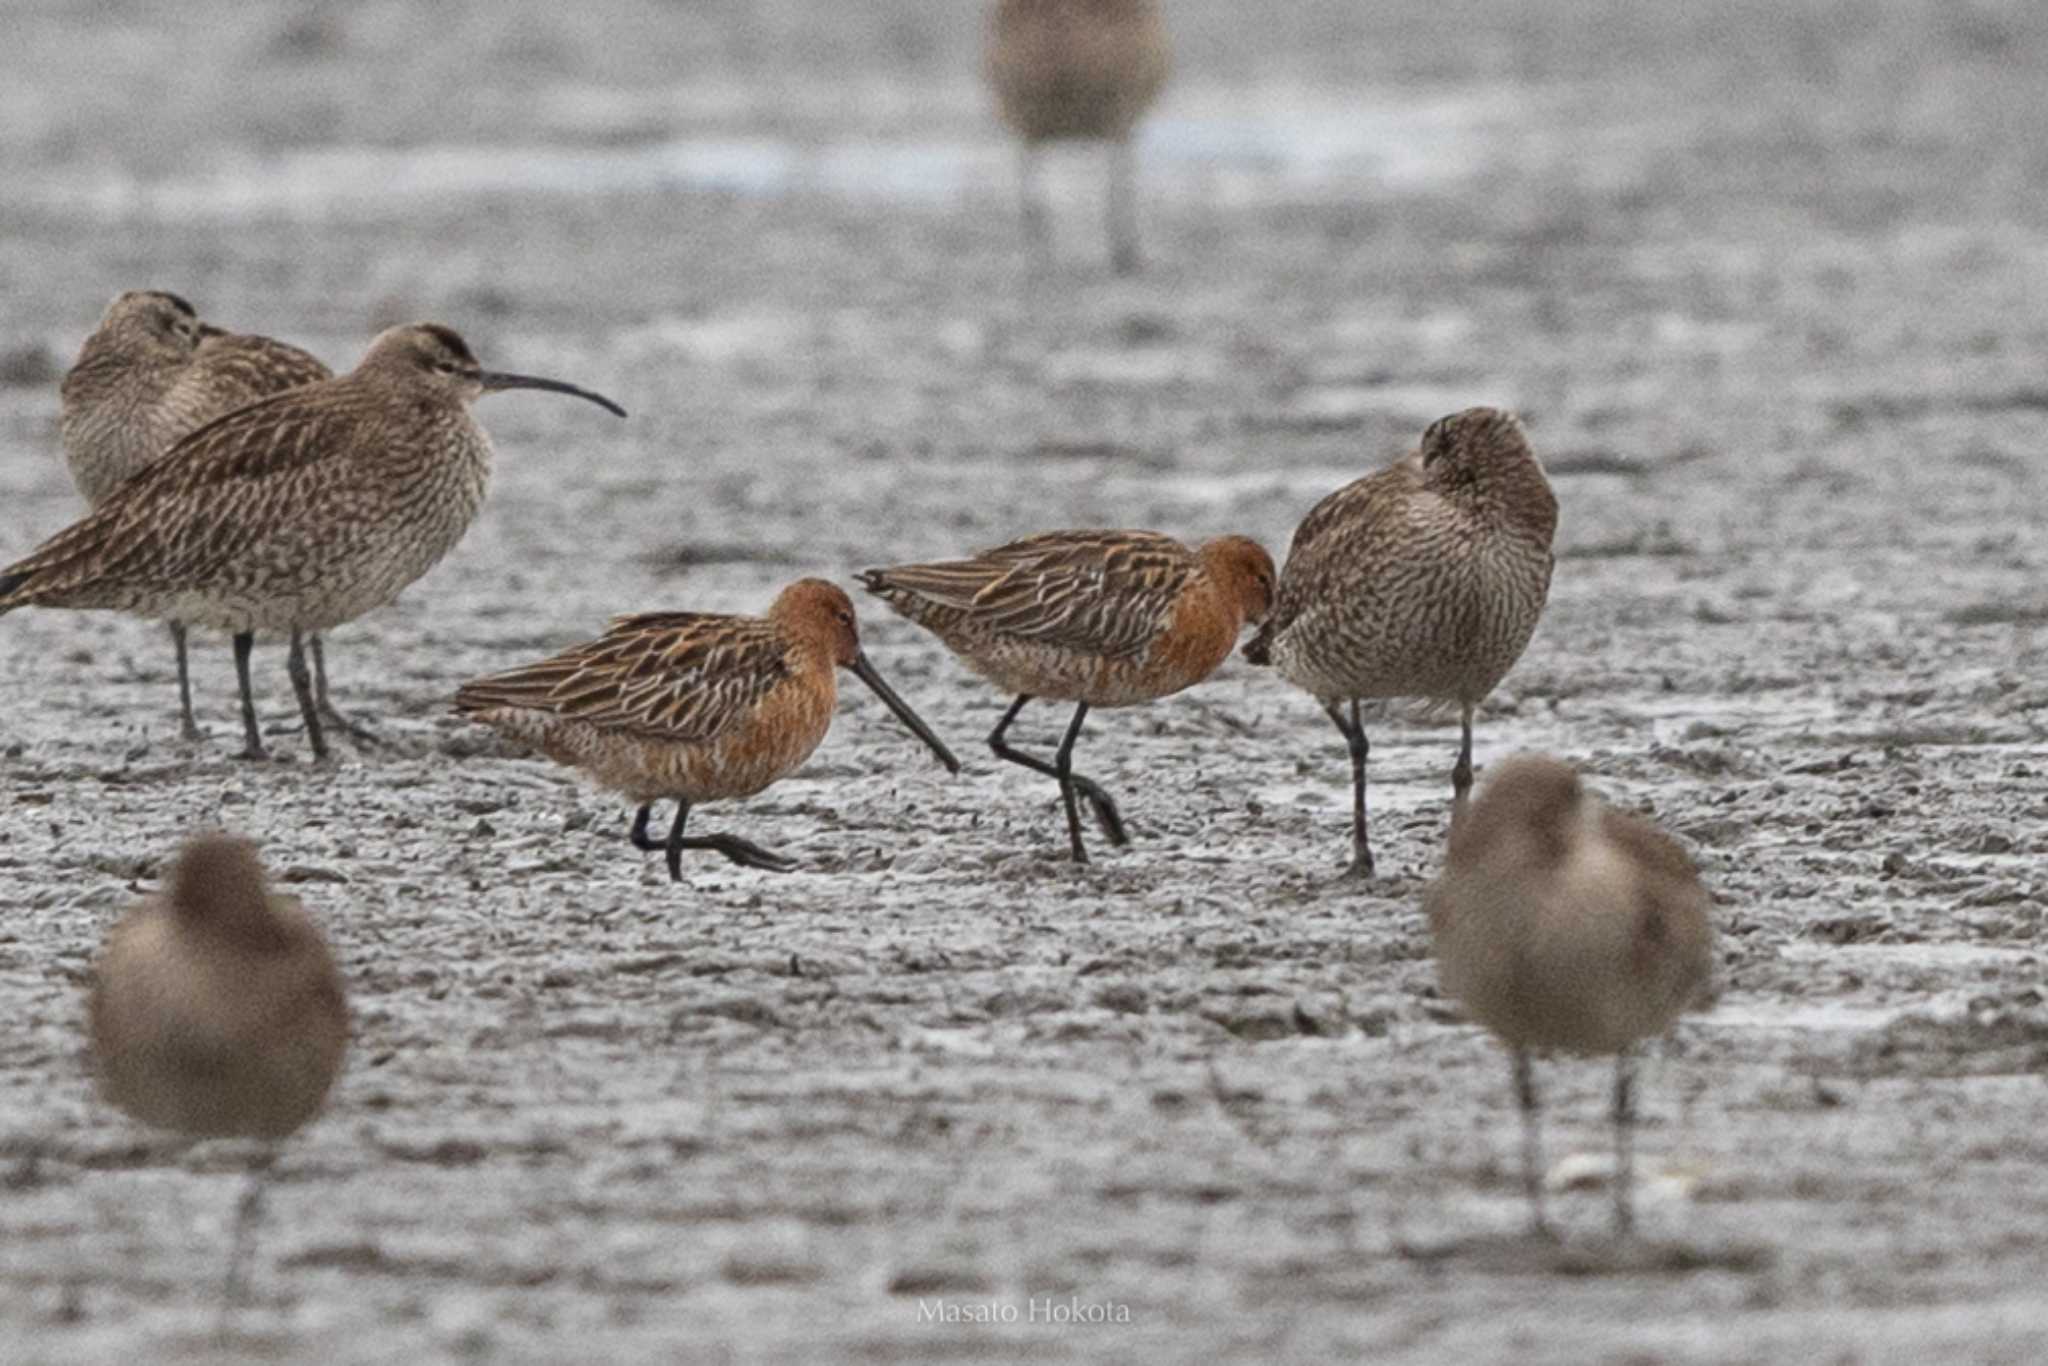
(1078, 70)
(217, 1012)
(1562, 923)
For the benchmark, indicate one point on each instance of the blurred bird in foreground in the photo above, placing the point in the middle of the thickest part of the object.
(295, 513)
(217, 1012)
(1423, 580)
(1097, 618)
(1078, 70)
(694, 707)
(1562, 923)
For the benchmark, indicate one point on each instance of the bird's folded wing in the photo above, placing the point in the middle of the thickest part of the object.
(675, 676)
(229, 485)
(1106, 593)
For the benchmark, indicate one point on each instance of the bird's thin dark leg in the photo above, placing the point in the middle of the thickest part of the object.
(1624, 1141)
(1063, 766)
(1532, 1142)
(641, 839)
(1037, 227)
(744, 852)
(188, 723)
(1353, 728)
(1461, 775)
(302, 685)
(1106, 815)
(252, 747)
(675, 843)
(358, 734)
(248, 1213)
(1123, 208)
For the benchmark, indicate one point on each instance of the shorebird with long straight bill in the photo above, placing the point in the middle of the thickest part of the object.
(1423, 580)
(694, 707)
(293, 514)
(1096, 618)
(1563, 924)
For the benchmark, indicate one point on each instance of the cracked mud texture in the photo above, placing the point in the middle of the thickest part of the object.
(1766, 281)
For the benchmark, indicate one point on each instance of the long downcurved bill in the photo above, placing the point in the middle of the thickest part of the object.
(865, 672)
(494, 380)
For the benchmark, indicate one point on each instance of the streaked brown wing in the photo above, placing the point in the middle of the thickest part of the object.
(1106, 593)
(1332, 531)
(682, 676)
(1354, 502)
(211, 496)
(236, 368)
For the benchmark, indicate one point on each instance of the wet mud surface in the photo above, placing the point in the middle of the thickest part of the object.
(1766, 283)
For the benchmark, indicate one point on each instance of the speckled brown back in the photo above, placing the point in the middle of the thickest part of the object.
(1424, 579)
(304, 509)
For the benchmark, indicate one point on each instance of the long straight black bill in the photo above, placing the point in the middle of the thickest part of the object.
(866, 673)
(493, 380)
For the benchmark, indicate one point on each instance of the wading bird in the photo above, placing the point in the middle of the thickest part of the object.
(150, 375)
(1562, 923)
(1078, 70)
(1423, 580)
(294, 514)
(1096, 618)
(693, 707)
(217, 1012)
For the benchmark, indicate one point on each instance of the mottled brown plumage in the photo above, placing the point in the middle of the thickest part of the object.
(1561, 923)
(231, 370)
(1097, 618)
(295, 513)
(1078, 69)
(217, 1011)
(1425, 579)
(693, 706)
(112, 418)
(223, 372)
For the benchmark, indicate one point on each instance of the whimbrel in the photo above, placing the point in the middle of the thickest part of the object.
(1096, 618)
(296, 513)
(1078, 70)
(1423, 580)
(1562, 923)
(217, 1012)
(693, 706)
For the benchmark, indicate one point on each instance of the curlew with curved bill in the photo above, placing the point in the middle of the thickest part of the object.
(295, 513)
